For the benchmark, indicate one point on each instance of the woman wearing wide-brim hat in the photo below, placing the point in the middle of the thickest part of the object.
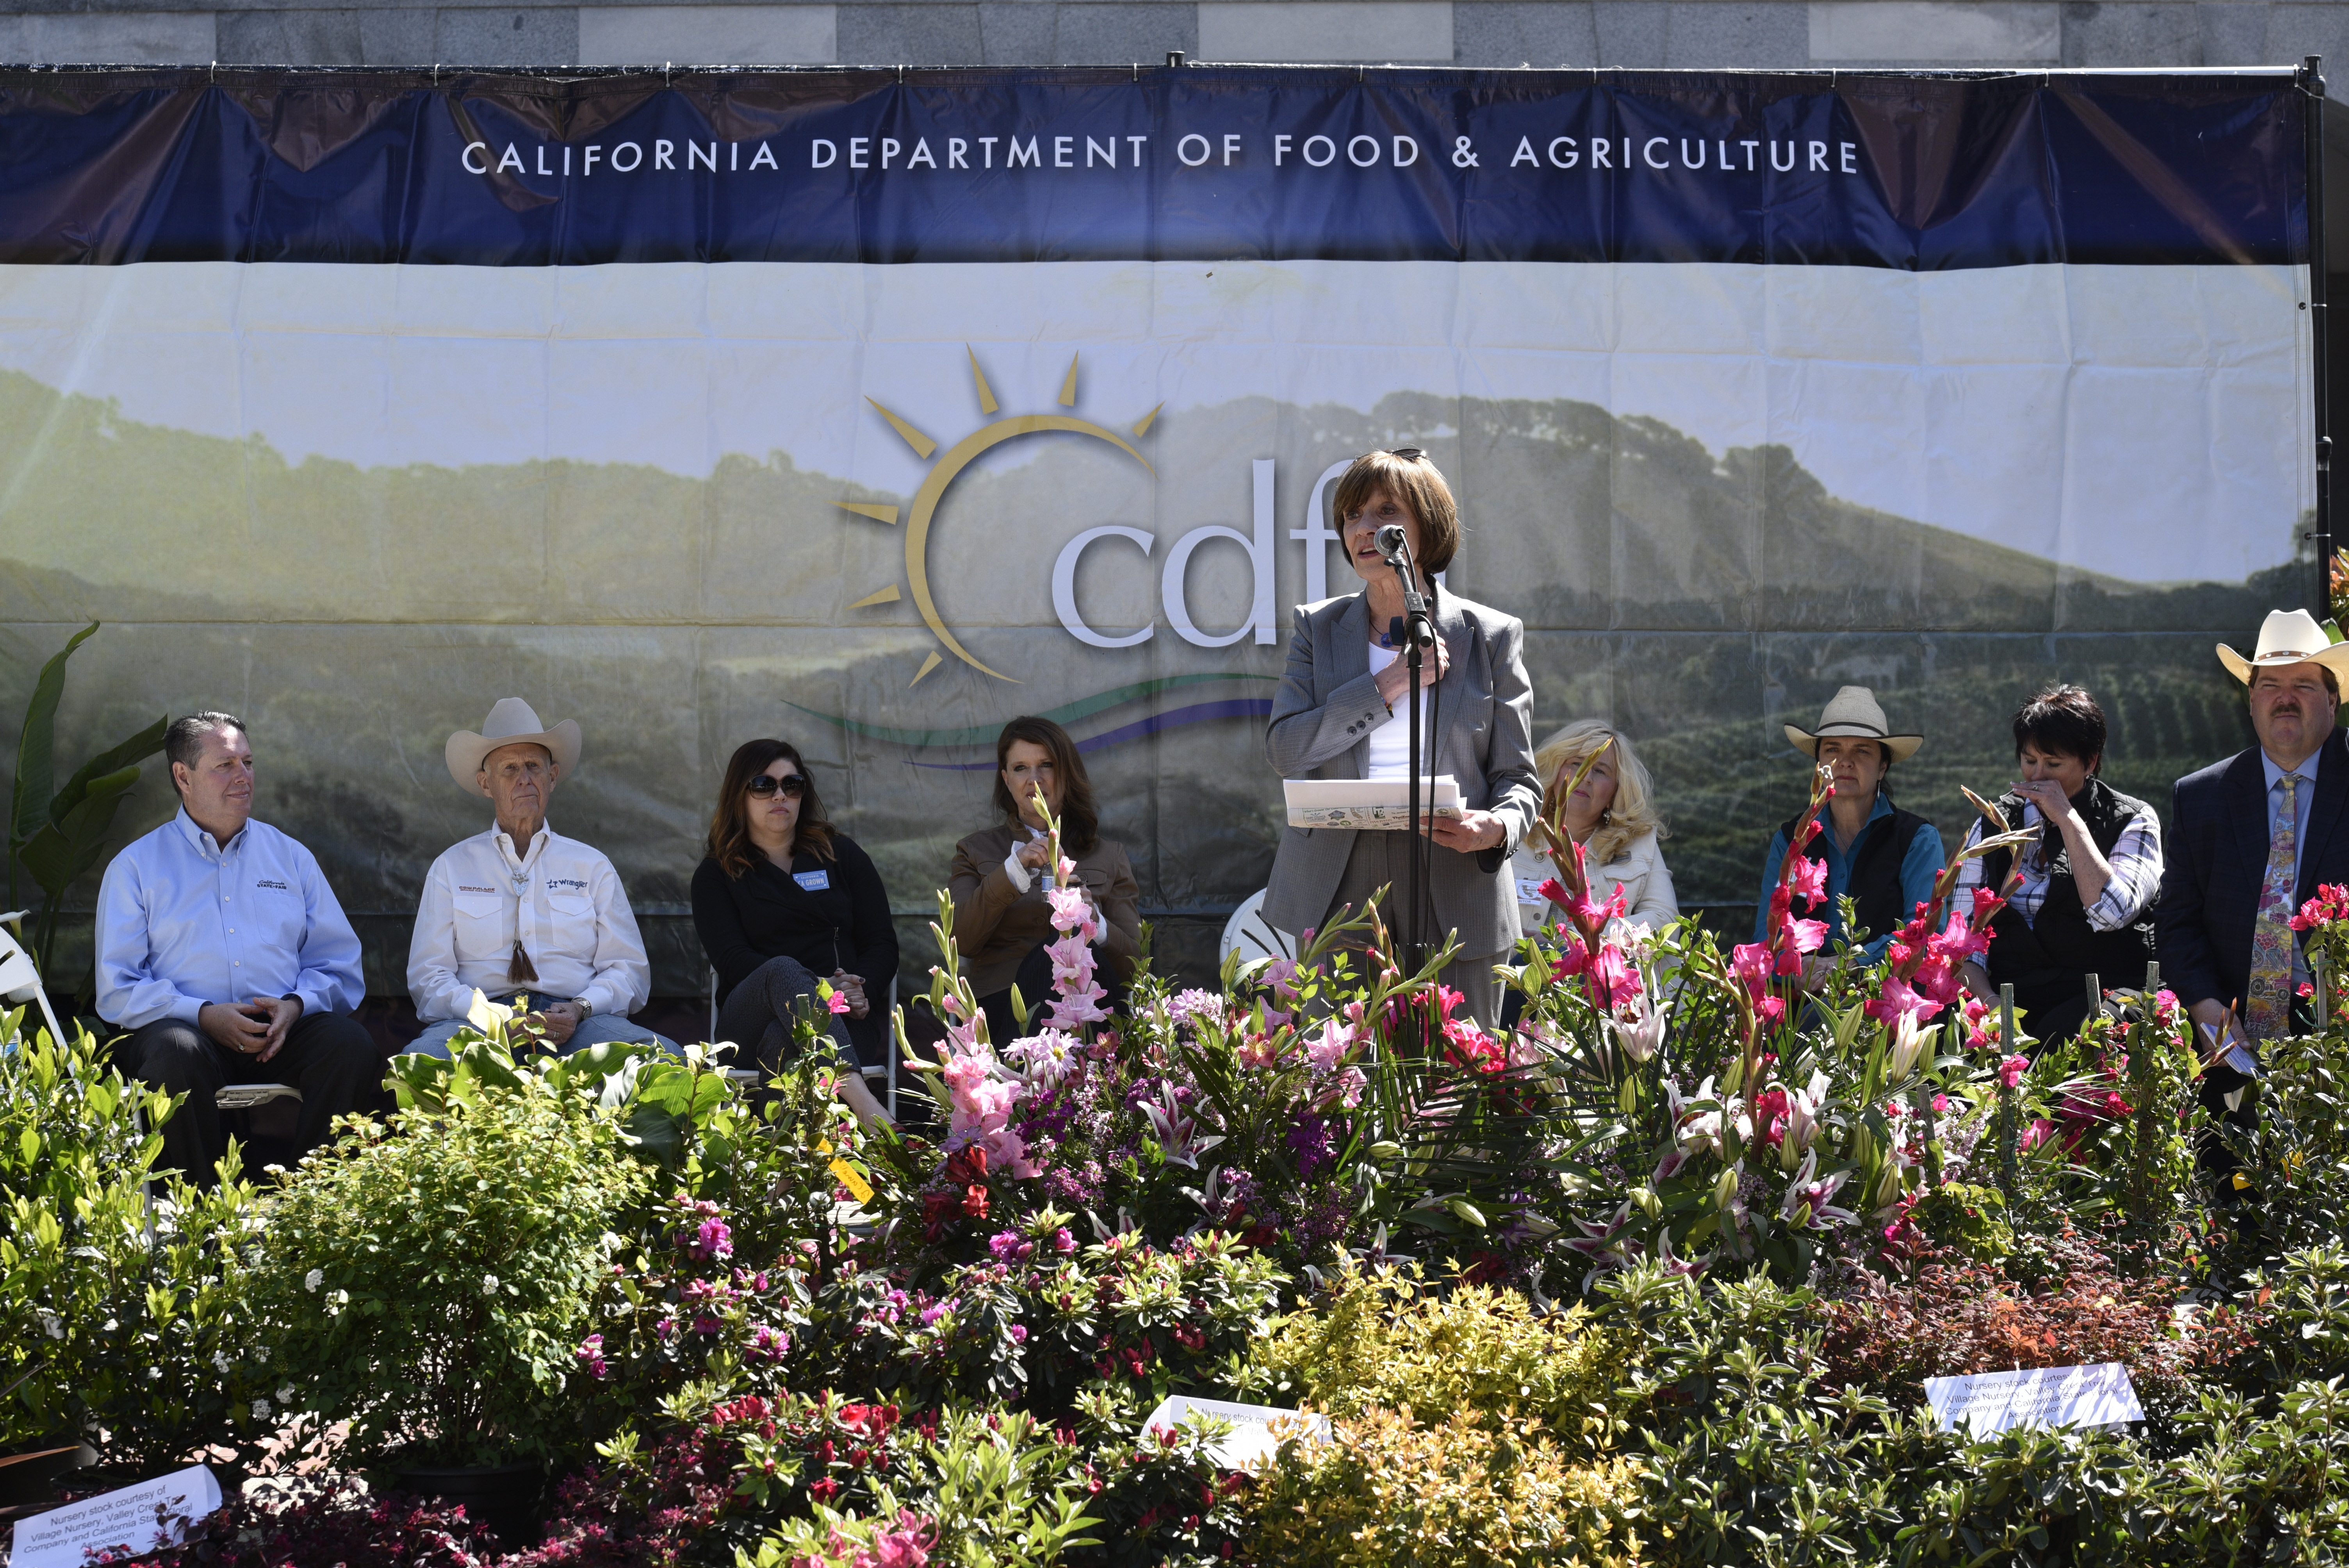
(1883, 858)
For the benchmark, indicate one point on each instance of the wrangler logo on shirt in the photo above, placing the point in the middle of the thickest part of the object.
(566, 884)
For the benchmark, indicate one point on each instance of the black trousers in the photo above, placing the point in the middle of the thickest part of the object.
(757, 1015)
(1034, 982)
(327, 1056)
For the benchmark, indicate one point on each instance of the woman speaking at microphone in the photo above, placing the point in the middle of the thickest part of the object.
(1341, 713)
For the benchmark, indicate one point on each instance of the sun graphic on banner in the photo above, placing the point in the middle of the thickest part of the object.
(943, 472)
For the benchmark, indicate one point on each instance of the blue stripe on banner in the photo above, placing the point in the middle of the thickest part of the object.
(1197, 713)
(1922, 172)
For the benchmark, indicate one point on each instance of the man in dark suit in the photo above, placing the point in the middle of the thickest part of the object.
(2250, 839)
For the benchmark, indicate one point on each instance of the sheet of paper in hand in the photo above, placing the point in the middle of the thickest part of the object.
(129, 1522)
(1375, 804)
(1989, 1403)
(1251, 1438)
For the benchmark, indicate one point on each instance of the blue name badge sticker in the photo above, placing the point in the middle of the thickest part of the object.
(813, 882)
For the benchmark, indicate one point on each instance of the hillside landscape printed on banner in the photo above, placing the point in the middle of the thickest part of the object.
(356, 615)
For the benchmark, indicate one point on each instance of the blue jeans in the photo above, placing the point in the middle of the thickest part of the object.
(592, 1030)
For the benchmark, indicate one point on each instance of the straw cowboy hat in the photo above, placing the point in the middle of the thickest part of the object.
(2287, 637)
(511, 722)
(1854, 711)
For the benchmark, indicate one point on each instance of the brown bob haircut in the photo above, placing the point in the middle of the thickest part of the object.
(1079, 817)
(729, 838)
(1411, 479)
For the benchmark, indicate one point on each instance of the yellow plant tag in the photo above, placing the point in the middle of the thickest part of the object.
(857, 1185)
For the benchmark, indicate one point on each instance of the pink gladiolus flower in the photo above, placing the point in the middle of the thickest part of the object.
(2040, 1130)
(1327, 1049)
(837, 1003)
(2011, 1070)
(1350, 1086)
(1807, 935)
(1808, 880)
(1555, 891)
(1612, 979)
(1752, 963)
(1071, 910)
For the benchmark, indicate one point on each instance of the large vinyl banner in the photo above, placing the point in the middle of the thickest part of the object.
(870, 408)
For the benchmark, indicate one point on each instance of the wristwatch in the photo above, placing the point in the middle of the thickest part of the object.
(586, 1008)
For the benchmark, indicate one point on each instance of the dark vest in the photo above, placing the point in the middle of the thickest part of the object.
(1875, 884)
(2061, 943)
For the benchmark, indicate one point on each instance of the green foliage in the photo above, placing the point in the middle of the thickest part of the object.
(1392, 1492)
(1381, 1338)
(430, 1283)
(994, 1493)
(1969, 1217)
(56, 834)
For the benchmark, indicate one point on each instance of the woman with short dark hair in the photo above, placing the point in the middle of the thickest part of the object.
(1003, 925)
(2082, 902)
(1343, 712)
(784, 897)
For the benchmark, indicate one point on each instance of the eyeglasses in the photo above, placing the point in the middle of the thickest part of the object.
(790, 784)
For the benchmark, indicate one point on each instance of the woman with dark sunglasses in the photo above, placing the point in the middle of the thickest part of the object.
(783, 898)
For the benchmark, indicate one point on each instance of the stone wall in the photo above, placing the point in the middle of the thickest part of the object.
(1637, 34)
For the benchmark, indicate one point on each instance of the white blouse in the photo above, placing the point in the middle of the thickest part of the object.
(1639, 871)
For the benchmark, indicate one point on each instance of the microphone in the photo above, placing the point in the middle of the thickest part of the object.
(1392, 543)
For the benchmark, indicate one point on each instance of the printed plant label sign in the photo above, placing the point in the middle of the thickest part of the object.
(132, 1522)
(1251, 1438)
(1989, 1403)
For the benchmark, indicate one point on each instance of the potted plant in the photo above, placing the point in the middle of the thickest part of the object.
(429, 1281)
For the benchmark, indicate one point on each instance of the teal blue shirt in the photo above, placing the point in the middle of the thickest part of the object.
(1919, 867)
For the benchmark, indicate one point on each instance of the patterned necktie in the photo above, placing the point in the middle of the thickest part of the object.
(2271, 945)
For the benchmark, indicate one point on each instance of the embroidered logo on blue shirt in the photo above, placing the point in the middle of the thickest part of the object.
(266, 882)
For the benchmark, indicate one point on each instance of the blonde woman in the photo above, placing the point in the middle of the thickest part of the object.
(1612, 815)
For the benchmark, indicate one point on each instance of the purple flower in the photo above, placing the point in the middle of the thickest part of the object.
(713, 1240)
(1309, 1142)
(1019, 1334)
(1008, 1246)
(590, 1356)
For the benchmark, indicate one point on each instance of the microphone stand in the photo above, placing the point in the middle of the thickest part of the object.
(1418, 629)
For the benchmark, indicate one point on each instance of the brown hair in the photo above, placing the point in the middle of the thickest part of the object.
(729, 839)
(1411, 479)
(1079, 817)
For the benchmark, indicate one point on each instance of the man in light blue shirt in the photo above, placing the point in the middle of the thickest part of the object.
(223, 953)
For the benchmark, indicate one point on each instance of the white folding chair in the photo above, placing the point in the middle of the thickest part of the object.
(1249, 934)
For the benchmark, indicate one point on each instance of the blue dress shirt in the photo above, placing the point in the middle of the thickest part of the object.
(1919, 867)
(183, 921)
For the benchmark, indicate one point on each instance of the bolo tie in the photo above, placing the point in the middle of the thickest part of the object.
(519, 968)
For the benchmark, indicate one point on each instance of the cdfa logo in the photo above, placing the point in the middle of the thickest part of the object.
(921, 518)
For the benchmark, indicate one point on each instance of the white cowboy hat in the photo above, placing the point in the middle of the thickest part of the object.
(2287, 637)
(511, 722)
(1854, 710)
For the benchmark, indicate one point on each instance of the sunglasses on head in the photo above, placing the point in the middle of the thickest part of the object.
(1408, 454)
(791, 785)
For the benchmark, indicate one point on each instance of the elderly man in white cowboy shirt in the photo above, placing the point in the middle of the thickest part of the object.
(520, 910)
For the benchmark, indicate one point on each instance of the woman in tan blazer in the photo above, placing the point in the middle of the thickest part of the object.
(1002, 920)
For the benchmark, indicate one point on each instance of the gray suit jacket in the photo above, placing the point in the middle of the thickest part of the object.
(1322, 717)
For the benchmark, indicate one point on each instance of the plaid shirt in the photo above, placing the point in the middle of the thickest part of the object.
(2136, 860)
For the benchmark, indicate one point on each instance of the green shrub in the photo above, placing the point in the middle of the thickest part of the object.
(105, 1329)
(430, 1284)
(992, 1494)
(1469, 1493)
(1383, 1339)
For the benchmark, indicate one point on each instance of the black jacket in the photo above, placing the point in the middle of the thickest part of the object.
(2217, 857)
(765, 913)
